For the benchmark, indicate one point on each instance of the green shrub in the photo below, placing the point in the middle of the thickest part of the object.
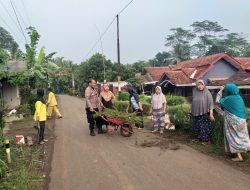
(121, 105)
(145, 99)
(32, 103)
(146, 108)
(3, 165)
(180, 116)
(175, 100)
(218, 135)
(25, 109)
(124, 96)
(1, 119)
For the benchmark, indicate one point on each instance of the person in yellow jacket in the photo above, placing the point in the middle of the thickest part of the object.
(52, 104)
(40, 114)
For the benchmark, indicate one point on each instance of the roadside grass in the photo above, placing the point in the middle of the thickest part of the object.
(26, 171)
(209, 149)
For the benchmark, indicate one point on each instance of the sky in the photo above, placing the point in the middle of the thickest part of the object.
(70, 27)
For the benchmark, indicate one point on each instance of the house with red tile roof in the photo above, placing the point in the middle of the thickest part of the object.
(179, 79)
(245, 62)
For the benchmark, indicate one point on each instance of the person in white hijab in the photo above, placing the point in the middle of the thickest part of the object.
(158, 110)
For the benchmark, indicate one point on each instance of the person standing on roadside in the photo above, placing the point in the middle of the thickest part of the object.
(52, 105)
(135, 104)
(236, 134)
(107, 97)
(202, 111)
(158, 110)
(93, 104)
(40, 114)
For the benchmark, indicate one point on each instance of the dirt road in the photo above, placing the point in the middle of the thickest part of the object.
(112, 162)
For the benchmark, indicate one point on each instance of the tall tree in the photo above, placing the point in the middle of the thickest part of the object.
(208, 33)
(8, 43)
(94, 68)
(162, 59)
(180, 43)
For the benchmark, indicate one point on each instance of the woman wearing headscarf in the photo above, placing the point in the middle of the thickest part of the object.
(107, 97)
(236, 134)
(135, 104)
(158, 110)
(40, 114)
(202, 111)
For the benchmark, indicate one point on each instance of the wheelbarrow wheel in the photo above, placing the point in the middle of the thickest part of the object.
(126, 130)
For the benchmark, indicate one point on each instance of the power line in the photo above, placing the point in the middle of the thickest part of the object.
(26, 12)
(12, 19)
(126, 6)
(107, 28)
(18, 20)
(9, 28)
(25, 25)
(105, 31)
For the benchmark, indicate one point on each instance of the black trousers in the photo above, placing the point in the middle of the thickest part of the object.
(41, 130)
(92, 121)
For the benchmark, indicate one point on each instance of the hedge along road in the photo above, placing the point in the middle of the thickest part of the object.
(114, 162)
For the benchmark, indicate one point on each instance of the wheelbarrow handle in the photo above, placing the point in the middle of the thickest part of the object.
(103, 118)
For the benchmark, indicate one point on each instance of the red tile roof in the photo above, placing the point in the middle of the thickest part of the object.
(143, 77)
(240, 78)
(245, 62)
(189, 71)
(177, 77)
(204, 64)
(155, 72)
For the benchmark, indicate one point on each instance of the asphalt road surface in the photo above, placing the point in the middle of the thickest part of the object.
(113, 162)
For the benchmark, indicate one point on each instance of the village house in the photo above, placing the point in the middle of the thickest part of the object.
(10, 93)
(180, 79)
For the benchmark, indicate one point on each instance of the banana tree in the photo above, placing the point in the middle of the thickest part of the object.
(42, 69)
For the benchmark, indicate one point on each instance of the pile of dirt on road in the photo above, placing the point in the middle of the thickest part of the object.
(162, 143)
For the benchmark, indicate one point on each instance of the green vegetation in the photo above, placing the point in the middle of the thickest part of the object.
(26, 171)
(128, 117)
(180, 116)
(175, 100)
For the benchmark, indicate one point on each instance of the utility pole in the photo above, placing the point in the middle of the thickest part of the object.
(73, 78)
(118, 56)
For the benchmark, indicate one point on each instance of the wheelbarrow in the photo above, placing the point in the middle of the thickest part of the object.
(113, 124)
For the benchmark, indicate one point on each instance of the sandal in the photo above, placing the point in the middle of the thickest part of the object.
(154, 131)
(195, 140)
(237, 159)
(205, 143)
